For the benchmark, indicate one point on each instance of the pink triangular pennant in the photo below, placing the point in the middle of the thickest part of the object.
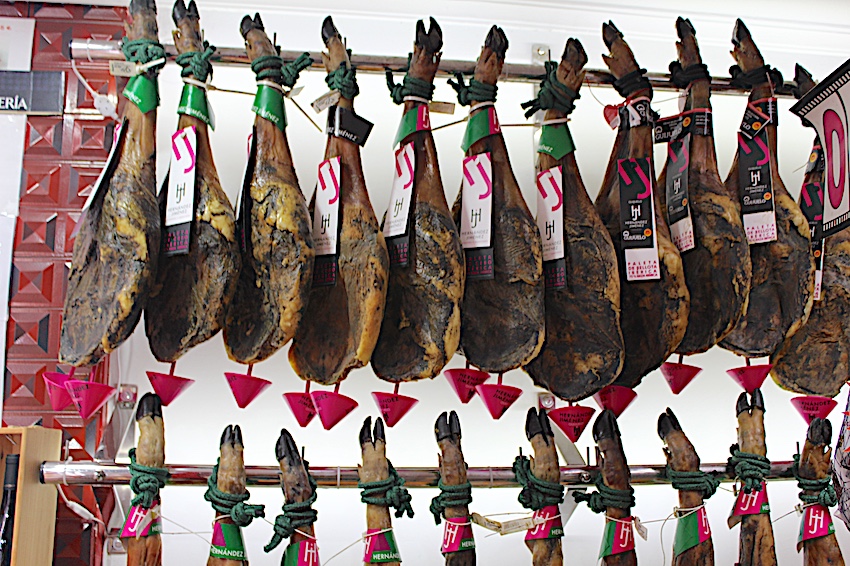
(332, 407)
(55, 382)
(572, 420)
(497, 397)
(750, 377)
(88, 397)
(393, 406)
(615, 397)
(679, 375)
(245, 387)
(302, 407)
(168, 386)
(464, 381)
(813, 406)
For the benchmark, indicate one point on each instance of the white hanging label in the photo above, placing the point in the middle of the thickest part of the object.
(180, 198)
(326, 211)
(550, 212)
(401, 195)
(477, 201)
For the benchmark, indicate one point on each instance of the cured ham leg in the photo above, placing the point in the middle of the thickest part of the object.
(117, 248)
(718, 270)
(502, 319)
(231, 480)
(544, 466)
(342, 322)
(274, 285)
(421, 327)
(583, 349)
(453, 473)
(654, 313)
(783, 270)
(187, 304)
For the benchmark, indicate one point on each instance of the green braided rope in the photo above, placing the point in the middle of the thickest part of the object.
(197, 63)
(694, 481)
(145, 481)
(553, 94)
(295, 516)
(606, 497)
(143, 51)
(536, 493)
(343, 79)
(450, 496)
(388, 493)
(749, 468)
(273, 68)
(826, 495)
(474, 91)
(231, 504)
(410, 86)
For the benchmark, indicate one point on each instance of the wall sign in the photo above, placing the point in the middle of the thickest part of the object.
(32, 92)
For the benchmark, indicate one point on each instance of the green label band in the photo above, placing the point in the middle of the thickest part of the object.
(414, 120)
(268, 104)
(193, 102)
(227, 542)
(142, 92)
(556, 141)
(479, 126)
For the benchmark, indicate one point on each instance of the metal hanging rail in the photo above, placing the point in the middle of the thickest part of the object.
(93, 50)
(105, 474)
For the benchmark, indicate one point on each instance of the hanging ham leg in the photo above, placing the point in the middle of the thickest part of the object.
(274, 284)
(718, 269)
(583, 349)
(544, 466)
(231, 479)
(453, 472)
(502, 319)
(375, 468)
(342, 322)
(421, 327)
(295, 482)
(783, 271)
(653, 314)
(117, 247)
(188, 302)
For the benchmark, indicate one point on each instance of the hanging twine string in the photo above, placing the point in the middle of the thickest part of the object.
(295, 515)
(388, 492)
(755, 77)
(272, 67)
(681, 77)
(631, 83)
(475, 90)
(553, 94)
(231, 504)
(410, 86)
(825, 495)
(450, 496)
(598, 501)
(145, 481)
(750, 468)
(197, 63)
(143, 51)
(536, 493)
(343, 79)
(693, 481)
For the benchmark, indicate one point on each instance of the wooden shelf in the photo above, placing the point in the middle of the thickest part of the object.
(35, 507)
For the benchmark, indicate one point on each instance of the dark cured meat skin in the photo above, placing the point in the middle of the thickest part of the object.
(274, 285)
(653, 314)
(117, 247)
(421, 327)
(782, 288)
(502, 319)
(188, 302)
(718, 270)
(583, 350)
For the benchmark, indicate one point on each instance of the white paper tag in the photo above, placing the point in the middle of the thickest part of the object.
(550, 212)
(760, 227)
(326, 211)
(682, 233)
(507, 527)
(123, 69)
(179, 206)
(325, 101)
(818, 284)
(640, 528)
(477, 201)
(441, 107)
(401, 195)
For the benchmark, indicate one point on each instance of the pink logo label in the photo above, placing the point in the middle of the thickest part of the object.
(754, 503)
(704, 529)
(624, 536)
(552, 527)
(423, 118)
(457, 535)
(816, 523)
(142, 522)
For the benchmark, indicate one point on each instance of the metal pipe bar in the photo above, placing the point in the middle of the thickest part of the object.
(106, 474)
(83, 50)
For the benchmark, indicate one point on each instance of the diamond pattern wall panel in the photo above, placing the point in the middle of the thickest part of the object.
(33, 333)
(37, 283)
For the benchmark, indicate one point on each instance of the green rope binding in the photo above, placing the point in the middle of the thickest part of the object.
(598, 501)
(410, 86)
(450, 496)
(536, 493)
(553, 94)
(343, 79)
(826, 495)
(693, 481)
(197, 63)
(388, 493)
(749, 468)
(143, 51)
(295, 516)
(474, 91)
(145, 481)
(231, 504)
(273, 68)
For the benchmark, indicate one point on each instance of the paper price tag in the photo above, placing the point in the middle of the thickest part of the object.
(123, 69)
(476, 216)
(550, 223)
(755, 189)
(325, 101)
(637, 220)
(397, 217)
(326, 222)
(678, 203)
(442, 107)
